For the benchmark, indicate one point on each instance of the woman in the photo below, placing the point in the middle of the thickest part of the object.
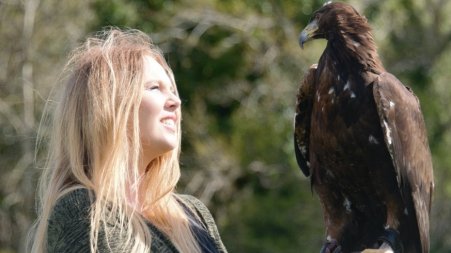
(108, 185)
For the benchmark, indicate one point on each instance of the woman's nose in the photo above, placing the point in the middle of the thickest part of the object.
(173, 102)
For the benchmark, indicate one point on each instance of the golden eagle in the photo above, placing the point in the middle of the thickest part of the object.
(361, 137)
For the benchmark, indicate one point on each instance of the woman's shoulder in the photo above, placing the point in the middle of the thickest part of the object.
(191, 201)
(197, 206)
(201, 210)
(72, 205)
(68, 224)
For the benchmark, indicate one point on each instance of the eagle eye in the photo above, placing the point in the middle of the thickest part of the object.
(317, 16)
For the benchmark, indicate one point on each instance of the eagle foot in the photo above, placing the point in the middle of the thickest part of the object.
(331, 247)
(391, 238)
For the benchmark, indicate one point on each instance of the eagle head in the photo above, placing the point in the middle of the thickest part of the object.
(333, 21)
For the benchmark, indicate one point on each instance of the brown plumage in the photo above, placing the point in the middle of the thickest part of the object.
(361, 137)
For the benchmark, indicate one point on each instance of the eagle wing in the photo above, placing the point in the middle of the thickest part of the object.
(304, 104)
(406, 139)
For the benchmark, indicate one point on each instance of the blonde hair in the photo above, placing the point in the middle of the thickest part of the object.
(95, 144)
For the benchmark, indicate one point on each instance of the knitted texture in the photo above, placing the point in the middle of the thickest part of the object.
(68, 227)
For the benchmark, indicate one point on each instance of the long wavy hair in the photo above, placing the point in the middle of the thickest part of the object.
(95, 144)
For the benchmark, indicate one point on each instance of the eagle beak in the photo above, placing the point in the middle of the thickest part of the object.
(308, 33)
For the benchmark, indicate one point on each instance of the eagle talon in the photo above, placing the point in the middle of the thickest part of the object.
(391, 237)
(331, 247)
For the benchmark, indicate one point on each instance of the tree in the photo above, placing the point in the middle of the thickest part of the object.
(36, 36)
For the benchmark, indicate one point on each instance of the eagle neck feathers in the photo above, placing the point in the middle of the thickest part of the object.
(352, 45)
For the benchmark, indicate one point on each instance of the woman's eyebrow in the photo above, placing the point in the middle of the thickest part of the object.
(150, 82)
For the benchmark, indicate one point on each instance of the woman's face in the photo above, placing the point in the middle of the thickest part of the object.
(158, 111)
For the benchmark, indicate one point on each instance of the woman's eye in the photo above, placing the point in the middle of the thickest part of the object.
(154, 87)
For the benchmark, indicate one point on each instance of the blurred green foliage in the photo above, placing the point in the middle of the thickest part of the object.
(238, 65)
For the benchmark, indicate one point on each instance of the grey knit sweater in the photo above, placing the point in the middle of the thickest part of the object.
(68, 227)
